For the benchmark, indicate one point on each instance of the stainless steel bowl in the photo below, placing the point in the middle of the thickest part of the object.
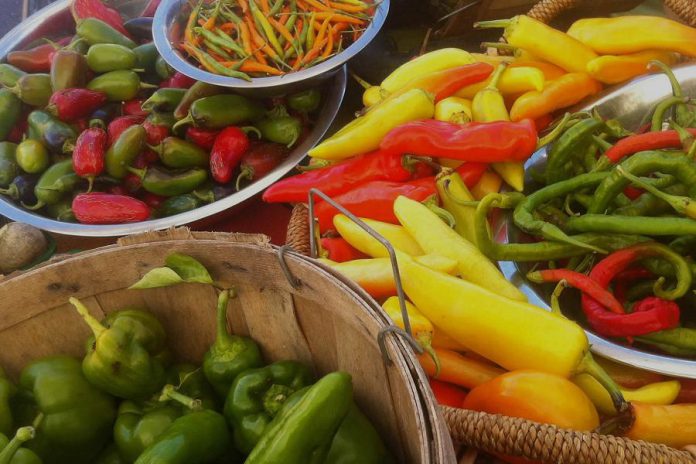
(56, 20)
(171, 12)
(629, 104)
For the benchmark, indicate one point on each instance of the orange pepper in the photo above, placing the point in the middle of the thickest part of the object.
(447, 394)
(459, 369)
(672, 425)
(613, 69)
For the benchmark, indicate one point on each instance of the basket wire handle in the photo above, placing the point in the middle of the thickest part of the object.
(408, 333)
(294, 281)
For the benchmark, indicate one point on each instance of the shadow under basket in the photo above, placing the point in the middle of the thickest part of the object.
(292, 307)
(498, 434)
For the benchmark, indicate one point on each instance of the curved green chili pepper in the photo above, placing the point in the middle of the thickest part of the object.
(56, 181)
(567, 146)
(644, 225)
(178, 153)
(170, 183)
(648, 204)
(220, 111)
(684, 116)
(166, 99)
(661, 109)
(124, 150)
(194, 93)
(678, 342)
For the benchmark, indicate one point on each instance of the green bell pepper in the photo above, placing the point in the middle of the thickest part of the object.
(126, 355)
(170, 183)
(77, 417)
(11, 451)
(10, 108)
(230, 354)
(125, 150)
(280, 127)
(139, 426)
(357, 441)
(177, 153)
(110, 456)
(103, 58)
(96, 31)
(220, 111)
(191, 382)
(302, 433)
(257, 395)
(7, 391)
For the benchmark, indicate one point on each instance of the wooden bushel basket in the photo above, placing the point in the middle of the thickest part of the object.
(292, 307)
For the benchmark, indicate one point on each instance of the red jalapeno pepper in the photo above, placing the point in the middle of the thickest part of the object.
(492, 142)
(134, 108)
(155, 132)
(120, 124)
(204, 138)
(259, 160)
(69, 105)
(338, 250)
(88, 155)
(152, 200)
(105, 208)
(34, 60)
(228, 149)
(177, 81)
(97, 9)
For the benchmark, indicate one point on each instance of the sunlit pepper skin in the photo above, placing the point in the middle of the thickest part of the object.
(613, 69)
(124, 150)
(397, 236)
(672, 425)
(513, 81)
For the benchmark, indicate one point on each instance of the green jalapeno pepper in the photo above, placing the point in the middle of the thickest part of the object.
(12, 452)
(177, 205)
(170, 183)
(33, 89)
(163, 69)
(123, 152)
(9, 75)
(8, 166)
(305, 101)
(103, 58)
(166, 99)
(7, 391)
(56, 135)
(220, 111)
(139, 426)
(178, 153)
(56, 181)
(10, 108)
(122, 85)
(62, 210)
(197, 91)
(32, 156)
(280, 127)
(96, 31)
(146, 55)
(68, 70)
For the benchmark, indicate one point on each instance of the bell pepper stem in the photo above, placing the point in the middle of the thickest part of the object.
(91, 321)
(494, 24)
(169, 393)
(589, 366)
(23, 435)
(222, 333)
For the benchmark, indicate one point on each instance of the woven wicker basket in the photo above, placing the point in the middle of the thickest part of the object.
(292, 307)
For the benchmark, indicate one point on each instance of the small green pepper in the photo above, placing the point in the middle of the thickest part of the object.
(68, 70)
(305, 101)
(11, 451)
(33, 89)
(7, 391)
(124, 150)
(62, 210)
(177, 205)
(230, 354)
(56, 135)
(280, 127)
(56, 181)
(197, 91)
(32, 156)
(8, 166)
(103, 58)
(219, 111)
(110, 456)
(163, 69)
(178, 153)
(166, 99)
(125, 356)
(9, 75)
(122, 85)
(147, 55)
(10, 108)
(190, 381)
(96, 31)
(138, 427)
(170, 183)
(257, 395)
(357, 440)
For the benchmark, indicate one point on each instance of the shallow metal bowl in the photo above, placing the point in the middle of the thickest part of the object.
(172, 12)
(629, 104)
(55, 20)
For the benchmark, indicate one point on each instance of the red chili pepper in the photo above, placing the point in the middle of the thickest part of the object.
(132, 182)
(447, 394)
(337, 249)
(227, 152)
(375, 200)
(259, 160)
(445, 83)
(152, 200)
(121, 123)
(633, 192)
(642, 142)
(177, 81)
(204, 138)
(582, 282)
(34, 60)
(155, 133)
(471, 173)
(72, 104)
(105, 208)
(88, 155)
(134, 108)
(339, 178)
(491, 142)
(633, 274)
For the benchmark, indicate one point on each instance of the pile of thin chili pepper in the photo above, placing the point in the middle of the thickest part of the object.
(259, 38)
(96, 128)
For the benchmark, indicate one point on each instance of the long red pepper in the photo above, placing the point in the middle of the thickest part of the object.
(492, 142)
(230, 145)
(642, 142)
(105, 208)
(337, 249)
(72, 104)
(89, 152)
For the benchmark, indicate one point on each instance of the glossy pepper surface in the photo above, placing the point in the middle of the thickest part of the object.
(170, 183)
(396, 235)
(103, 58)
(108, 208)
(220, 111)
(33, 89)
(357, 440)
(89, 153)
(280, 127)
(96, 31)
(194, 93)
(32, 156)
(338, 250)
(673, 425)
(177, 153)
(77, 417)
(10, 74)
(230, 144)
(11, 107)
(125, 358)
(259, 160)
(613, 69)
(55, 183)
(177, 205)
(230, 354)
(124, 150)
(139, 426)
(118, 86)
(191, 382)
(459, 369)
(71, 104)
(164, 99)
(513, 81)
(34, 60)
(257, 395)
(12, 452)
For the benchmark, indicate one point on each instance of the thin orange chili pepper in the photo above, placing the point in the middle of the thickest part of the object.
(245, 6)
(314, 52)
(258, 40)
(245, 36)
(317, 5)
(329, 45)
(339, 18)
(282, 29)
(265, 7)
(253, 66)
(201, 22)
(285, 17)
(227, 28)
(322, 31)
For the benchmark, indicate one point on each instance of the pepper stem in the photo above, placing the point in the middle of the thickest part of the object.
(494, 24)
(427, 346)
(247, 173)
(10, 191)
(682, 205)
(442, 213)
(499, 46)
(685, 137)
(222, 333)
(138, 172)
(555, 297)
(454, 198)
(363, 83)
(40, 204)
(90, 183)
(22, 435)
(251, 130)
(183, 122)
(589, 366)
(91, 321)
(558, 130)
(169, 393)
(495, 79)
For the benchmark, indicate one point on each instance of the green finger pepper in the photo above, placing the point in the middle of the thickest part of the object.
(567, 145)
(190, 381)
(96, 31)
(357, 440)
(125, 356)
(8, 165)
(302, 433)
(162, 68)
(110, 456)
(197, 91)
(122, 85)
(10, 108)
(170, 183)
(56, 181)
(68, 70)
(196, 438)
(678, 342)
(105, 57)
(138, 427)
(305, 101)
(257, 395)
(32, 156)
(9, 75)
(230, 354)
(56, 135)
(124, 151)
(7, 391)
(280, 127)
(11, 451)
(165, 99)
(147, 55)
(219, 111)
(77, 417)
(178, 204)
(33, 89)
(178, 153)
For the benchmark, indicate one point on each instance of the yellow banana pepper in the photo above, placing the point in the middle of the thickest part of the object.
(453, 109)
(399, 238)
(490, 183)
(513, 81)
(434, 236)
(438, 60)
(613, 69)
(452, 191)
(372, 96)
(545, 42)
(660, 393)
(366, 132)
(630, 34)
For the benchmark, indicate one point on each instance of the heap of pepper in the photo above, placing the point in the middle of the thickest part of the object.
(231, 409)
(97, 128)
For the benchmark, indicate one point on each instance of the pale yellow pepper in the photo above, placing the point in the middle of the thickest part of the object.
(453, 109)
(438, 60)
(614, 69)
(359, 239)
(513, 81)
(421, 328)
(452, 190)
